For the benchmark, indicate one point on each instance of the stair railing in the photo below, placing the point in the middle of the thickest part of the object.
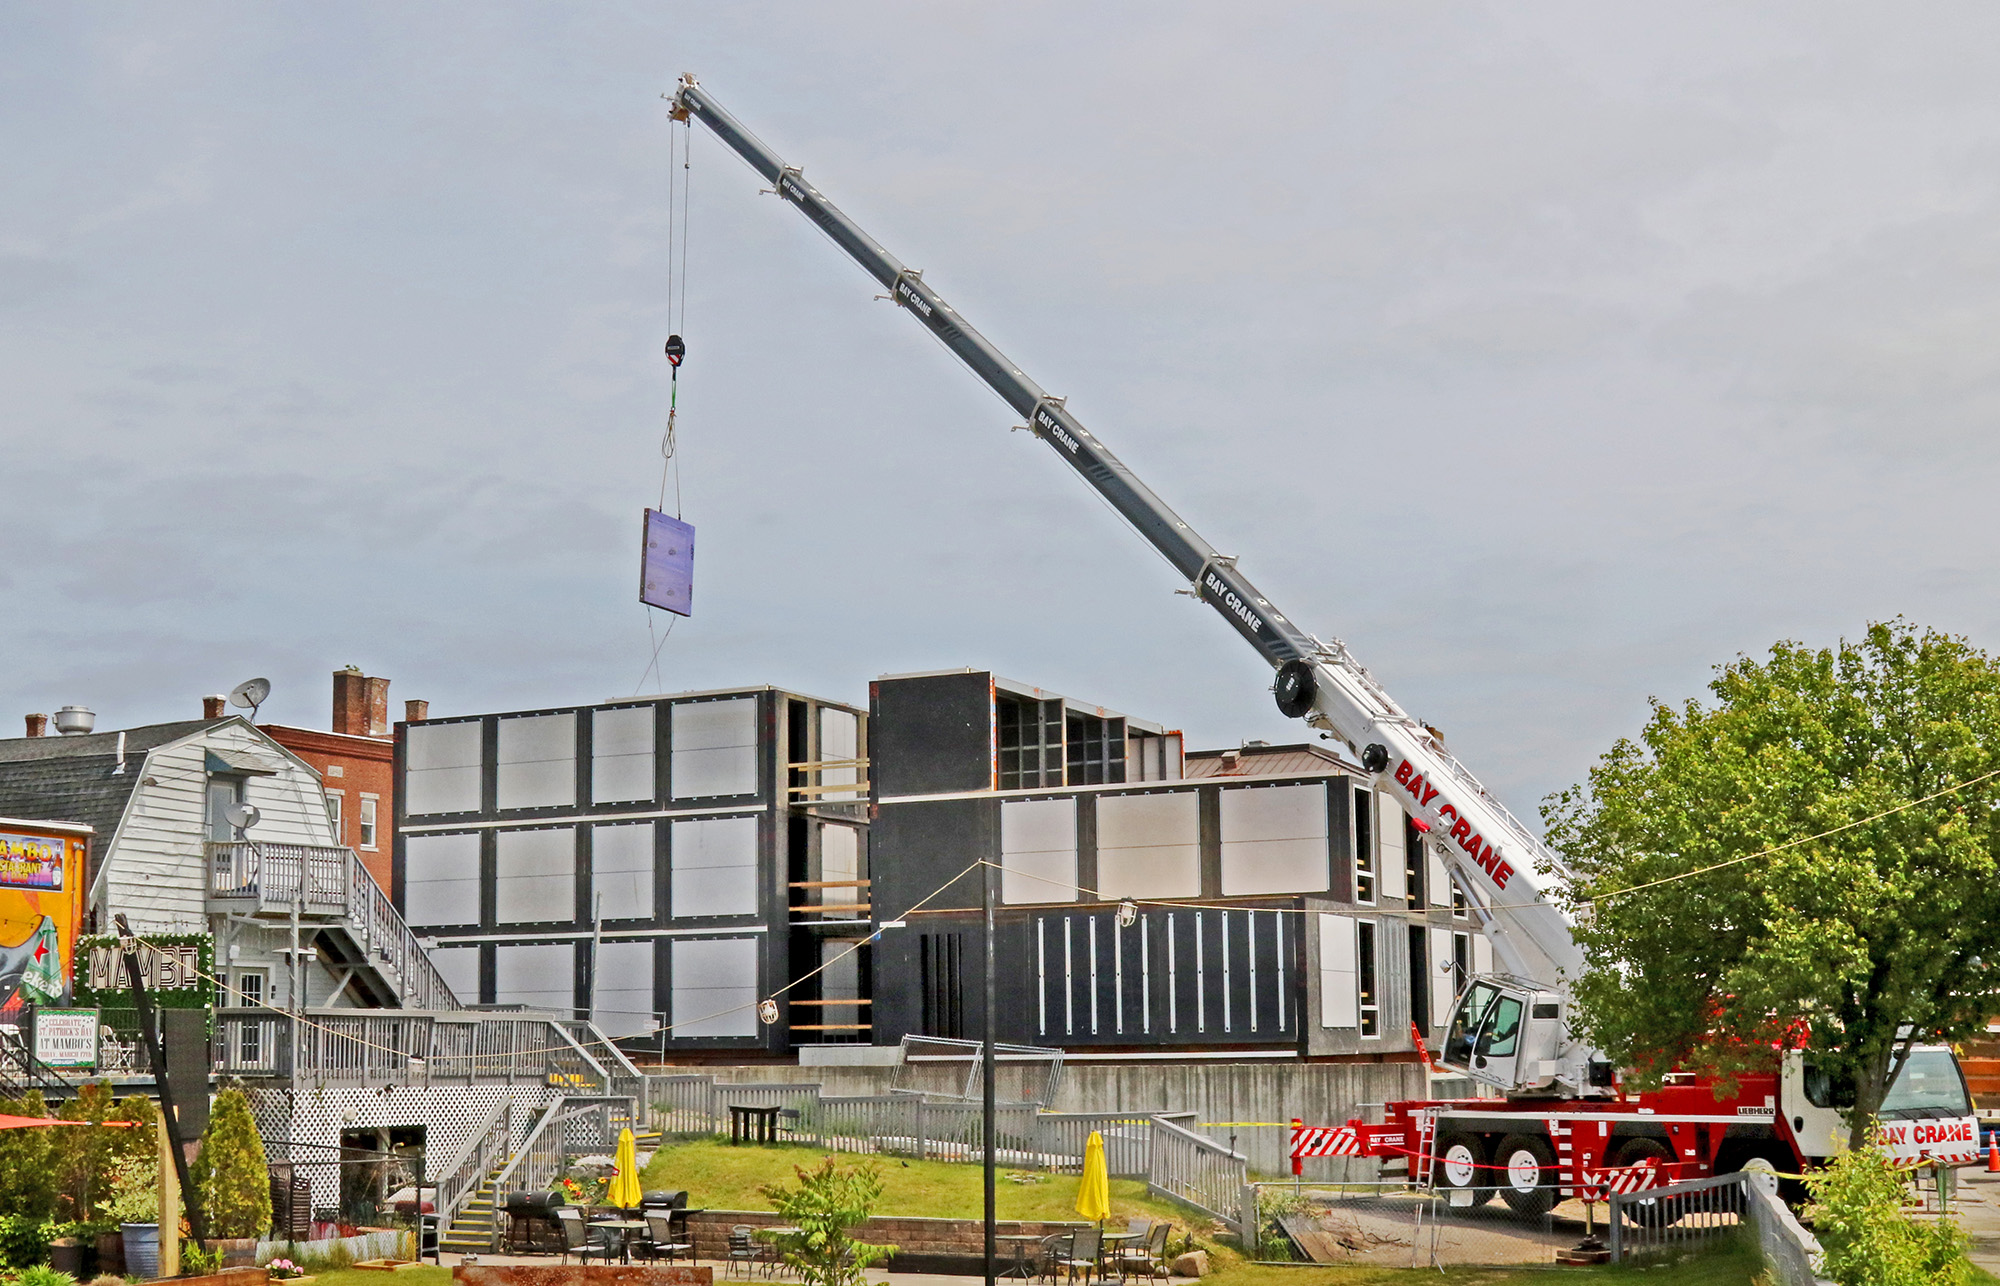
(538, 1162)
(460, 1177)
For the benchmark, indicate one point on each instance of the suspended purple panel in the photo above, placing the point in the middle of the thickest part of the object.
(666, 566)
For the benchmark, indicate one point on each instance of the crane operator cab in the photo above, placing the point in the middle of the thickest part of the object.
(1512, 1038)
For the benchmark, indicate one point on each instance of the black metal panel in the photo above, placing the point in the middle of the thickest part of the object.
(931, 734)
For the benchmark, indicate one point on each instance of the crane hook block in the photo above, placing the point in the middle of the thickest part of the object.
(676, 350)
(1295, 689)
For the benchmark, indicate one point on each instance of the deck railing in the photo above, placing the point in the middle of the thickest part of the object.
(320, 881)
(412, 1047)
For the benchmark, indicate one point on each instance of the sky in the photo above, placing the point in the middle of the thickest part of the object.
(1548, 354)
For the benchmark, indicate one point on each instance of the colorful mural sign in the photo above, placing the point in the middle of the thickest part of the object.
(41, 907)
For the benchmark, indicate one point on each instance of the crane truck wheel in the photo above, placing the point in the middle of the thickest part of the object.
(1648, 1213)
(1527, 1173)
(1461, 1167)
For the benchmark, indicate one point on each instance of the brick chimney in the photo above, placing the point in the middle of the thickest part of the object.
(416, 711)
(38, 725)
(360, 704)
(214, 707)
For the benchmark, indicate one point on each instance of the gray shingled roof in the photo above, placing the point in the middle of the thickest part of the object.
(71, 779)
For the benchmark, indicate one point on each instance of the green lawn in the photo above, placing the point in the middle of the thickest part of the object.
(720, 1177)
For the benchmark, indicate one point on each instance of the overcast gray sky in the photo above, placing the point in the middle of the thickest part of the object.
(1546, 353)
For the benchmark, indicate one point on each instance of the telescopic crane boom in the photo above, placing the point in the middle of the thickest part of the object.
(1503, 868)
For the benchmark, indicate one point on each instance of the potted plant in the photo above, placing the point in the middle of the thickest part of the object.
(135, 1204)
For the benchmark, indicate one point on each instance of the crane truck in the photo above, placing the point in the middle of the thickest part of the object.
(1554, 1119)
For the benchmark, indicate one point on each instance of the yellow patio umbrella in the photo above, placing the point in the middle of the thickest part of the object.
(1093, 1190)
(624, 1191)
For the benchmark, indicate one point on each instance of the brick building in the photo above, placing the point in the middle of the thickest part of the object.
(357, 762)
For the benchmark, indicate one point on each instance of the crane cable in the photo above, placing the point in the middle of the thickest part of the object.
(679, 179)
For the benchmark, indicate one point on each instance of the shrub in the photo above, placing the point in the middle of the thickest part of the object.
(27, 1181)
(231, 1178)
(42, 1275)
(826, 1204)
(135, 1191)
(24, 1239)
(1857, 1215)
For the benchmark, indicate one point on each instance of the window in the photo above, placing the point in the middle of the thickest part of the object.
(1274, 840)
(1364, 848)
(1096, 750)
(1038, 850)
(714, 748)
(1339, 997)
(621, 755)
(1498, 1037)
(540, 977)
(621, 871)
(622, 992)
(1364, 967)
(441, 879)
(443, 767)
(248, 985)
(368, 803)
(333, 816)
(536, 764)
(714, 866)
(1465, 1022)
(1149, 846)
(715, 987)
(534, 876)
(1459, 911)
(1413, 864)
(1030, 742)
(940, 967)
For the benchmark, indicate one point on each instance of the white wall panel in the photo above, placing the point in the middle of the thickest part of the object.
(714, 748)
(1339, 981)
(1274, 840)
(623, 998)
(621, 755)
(443, 768)
(542, 976)
(535, 876)
(839, 738)
(459, 967)
(840, 859)
(714, 865)
(714, 987)
(1444, 980)
(1038, 850)
(1390, 855)
(536, 762)
(441, 880)
(1149, 846)
(621, 870)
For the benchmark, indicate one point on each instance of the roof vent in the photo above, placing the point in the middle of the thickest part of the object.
(1256, 745)
(75, 720)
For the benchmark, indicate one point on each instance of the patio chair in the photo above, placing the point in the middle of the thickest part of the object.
(1082, 1256)
(744, 1252)
(661, 1239)
(1049, 1255)
(1147, 1258)
(583, 1241)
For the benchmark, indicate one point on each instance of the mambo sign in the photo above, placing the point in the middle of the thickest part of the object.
(1461, 832)
(168, 967)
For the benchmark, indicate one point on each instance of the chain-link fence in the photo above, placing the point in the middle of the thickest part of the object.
(1389, 1224)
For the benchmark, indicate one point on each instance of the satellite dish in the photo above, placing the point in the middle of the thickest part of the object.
(241, 816)
(250, 694)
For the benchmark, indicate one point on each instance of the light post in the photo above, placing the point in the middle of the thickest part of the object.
(986, 1063)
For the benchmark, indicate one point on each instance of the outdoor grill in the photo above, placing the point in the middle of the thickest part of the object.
(531, 1221)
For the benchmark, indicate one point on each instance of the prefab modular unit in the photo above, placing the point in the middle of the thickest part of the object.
(1262, 922)
(638, 862)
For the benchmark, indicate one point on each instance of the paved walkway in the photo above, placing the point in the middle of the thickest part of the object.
(1977, 1210)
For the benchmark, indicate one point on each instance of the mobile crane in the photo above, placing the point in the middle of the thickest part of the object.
(1561, 1124)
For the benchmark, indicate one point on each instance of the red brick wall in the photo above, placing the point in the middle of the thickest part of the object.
(366, 768)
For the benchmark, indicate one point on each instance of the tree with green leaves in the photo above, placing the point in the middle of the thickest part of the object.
(230, 1176)
(1807, 862)
(827, 1204)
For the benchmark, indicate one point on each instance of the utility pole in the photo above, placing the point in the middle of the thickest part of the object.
(986, 1063)
(169, 1113)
